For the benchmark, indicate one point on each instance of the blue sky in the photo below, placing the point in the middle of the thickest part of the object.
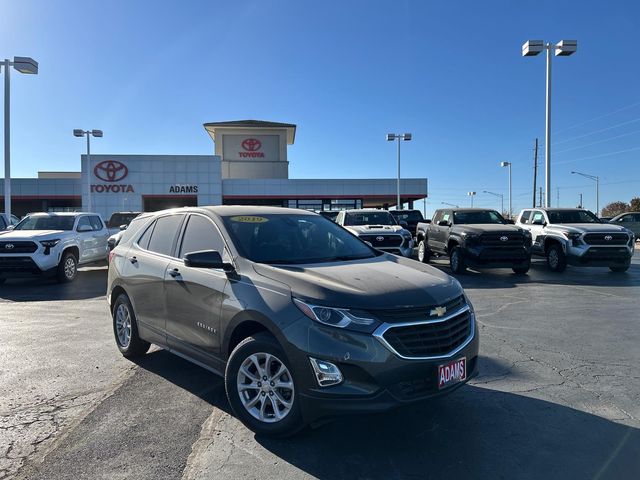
(346, 72)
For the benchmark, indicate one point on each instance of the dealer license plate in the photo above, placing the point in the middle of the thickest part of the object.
(452, 373)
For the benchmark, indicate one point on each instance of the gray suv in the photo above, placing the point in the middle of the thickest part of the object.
(302, 319)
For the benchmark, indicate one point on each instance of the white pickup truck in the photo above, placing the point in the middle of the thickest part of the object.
(52, 244)
(7, 220)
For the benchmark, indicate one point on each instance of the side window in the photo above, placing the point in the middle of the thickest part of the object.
(96, 223)
(446, 216)
(436, 217)
(143, 241)
(133, 228)
(84, 222)
(201, 234)
(164, 234)
(635, 217)
(537, 217)
(525, 216)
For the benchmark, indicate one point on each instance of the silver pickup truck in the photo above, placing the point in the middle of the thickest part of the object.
(577, 237)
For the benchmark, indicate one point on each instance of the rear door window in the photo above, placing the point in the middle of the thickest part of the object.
(96, 223)
(164, 234)
(525, 216)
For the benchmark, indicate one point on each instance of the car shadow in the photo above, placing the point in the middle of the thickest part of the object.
(475, 433)
(91, 282)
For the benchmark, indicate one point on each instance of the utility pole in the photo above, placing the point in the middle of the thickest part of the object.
(535, 171)
(541, 204)
(580, 205)
(558, 197)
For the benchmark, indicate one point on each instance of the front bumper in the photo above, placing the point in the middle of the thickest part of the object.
(598, 255)
(497, 257)
(26, 265)
(375, 378)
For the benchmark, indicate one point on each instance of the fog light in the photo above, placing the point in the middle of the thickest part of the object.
(327, 374)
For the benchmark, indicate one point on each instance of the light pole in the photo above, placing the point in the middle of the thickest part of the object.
(471, 194)
(580, 204)
(23, 65)
(597, 180)
(451, 204)
(390, 138)
(501, 200)
(78, 132)
(508, 164)
(562, 49)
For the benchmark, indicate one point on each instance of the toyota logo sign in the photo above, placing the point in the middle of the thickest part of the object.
(111, 171)
(379, 239)
(9, 246)
(608, 238)
(504, 238)
(251, 144)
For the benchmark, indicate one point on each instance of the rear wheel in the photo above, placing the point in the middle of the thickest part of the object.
(521, 270)
(261, 388)
(125, 329)
(556, 259)
(456, 260)
(423, 254)
(67, 268)
(620, 268)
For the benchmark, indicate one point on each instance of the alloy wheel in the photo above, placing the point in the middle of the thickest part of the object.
(69, 268)
(553, 258)
(123, 325)
(265, 387)
(421, 251)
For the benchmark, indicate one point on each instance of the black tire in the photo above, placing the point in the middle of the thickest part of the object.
(556, 259)
(135, 346)
(424, 255)
(620, 268)
(456, 260)
(522, 269)
(67, 268)
(261, 343)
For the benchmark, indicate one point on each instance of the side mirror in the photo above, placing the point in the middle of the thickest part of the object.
(84, 228)
(123, 227)
(206, 259)
(443, 223)
(538, 222)
(11, 227)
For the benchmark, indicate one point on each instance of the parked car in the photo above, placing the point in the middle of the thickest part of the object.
(379, 228)
(630, 221)
(301, 318)
(52, 244)
(7, 221)
(409, 219)
(475, 237)
(114, 239)
(330, 214)
(117, 220)
(577, 237)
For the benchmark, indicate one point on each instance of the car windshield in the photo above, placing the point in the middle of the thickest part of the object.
(293, 239)
(369, 218)
(46, 223)
(572, 216)
(413, 216)
(477, 216)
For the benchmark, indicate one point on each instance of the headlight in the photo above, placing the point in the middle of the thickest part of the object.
(574, 237)
(49, 243)
(358, 320)
(471, 238)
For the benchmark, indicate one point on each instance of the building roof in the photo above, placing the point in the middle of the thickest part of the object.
(211, 127)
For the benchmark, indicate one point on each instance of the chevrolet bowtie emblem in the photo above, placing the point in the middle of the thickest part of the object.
(438, 311)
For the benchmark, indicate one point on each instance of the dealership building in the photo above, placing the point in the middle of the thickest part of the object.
(249, 166)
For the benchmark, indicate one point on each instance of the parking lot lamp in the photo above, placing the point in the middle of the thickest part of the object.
(78, 132)
(390, 138)
(501, 200)
(30, 67)
(471, 194)
(562, 49)
(508, 164)
(597, 180)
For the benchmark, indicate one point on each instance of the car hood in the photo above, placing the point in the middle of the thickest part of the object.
(26, 235)
(586, 227)
(374, 229)
(382, 282)
(488, 227)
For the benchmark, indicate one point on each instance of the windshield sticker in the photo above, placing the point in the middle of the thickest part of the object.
(249, 219)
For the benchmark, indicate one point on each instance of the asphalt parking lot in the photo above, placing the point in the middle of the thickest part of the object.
(558, 395)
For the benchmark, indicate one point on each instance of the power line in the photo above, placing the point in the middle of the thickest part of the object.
(633, 149)
(598, 117)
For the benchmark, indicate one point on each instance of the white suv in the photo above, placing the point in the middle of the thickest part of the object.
(52, 244)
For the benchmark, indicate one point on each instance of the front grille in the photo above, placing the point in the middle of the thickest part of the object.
(497, 239)
(430, 339)
(17, 247)
(401, 315)
(18, 264)
(383, 240)
(503, 254)
(603, 238)
(605, 254)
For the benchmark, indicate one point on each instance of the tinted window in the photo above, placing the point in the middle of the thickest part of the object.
(525, 216)
(133, 228)
(2, 223)
(477, 217)
(410, 216)
(201, 234)
(164, 234)
(446, 216)
(437, 217)
(537, 217)
(143, 241)
(53, 222)
(119, 219)
(291, 239)
(572, 216)
(369, 218)
(96, 223)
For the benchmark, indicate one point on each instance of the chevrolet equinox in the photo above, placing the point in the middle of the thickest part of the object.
(301, 318)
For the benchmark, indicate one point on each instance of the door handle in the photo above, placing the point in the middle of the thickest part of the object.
(174, 272)
(133, 260)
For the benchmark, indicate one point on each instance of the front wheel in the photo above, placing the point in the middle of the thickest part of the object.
(556, 259)
(423, 253)
(261, 388)
(67, 268)
(620, 268)
(456, 260)
(125, 329)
